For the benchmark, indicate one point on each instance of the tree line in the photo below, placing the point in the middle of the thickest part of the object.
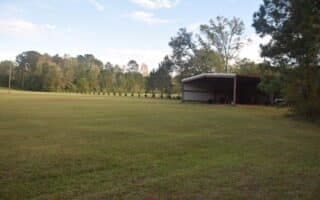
(291, 67)
(191, 55)
(84, 73)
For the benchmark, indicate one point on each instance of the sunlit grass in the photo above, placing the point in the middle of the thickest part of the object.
(62, 146)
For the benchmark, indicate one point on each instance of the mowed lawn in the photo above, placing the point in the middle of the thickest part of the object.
(62, 146)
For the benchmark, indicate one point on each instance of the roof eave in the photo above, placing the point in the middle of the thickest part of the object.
(209, 75)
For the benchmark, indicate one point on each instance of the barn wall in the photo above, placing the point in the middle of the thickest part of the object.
(193, 87)
(193, 93)
(195, 96)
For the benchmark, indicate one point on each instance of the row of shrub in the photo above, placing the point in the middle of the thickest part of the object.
(125, 94)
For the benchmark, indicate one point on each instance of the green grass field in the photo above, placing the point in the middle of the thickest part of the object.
(62, 146)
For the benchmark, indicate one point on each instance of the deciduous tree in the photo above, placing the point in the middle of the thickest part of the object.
(224, 36)
(182, 51)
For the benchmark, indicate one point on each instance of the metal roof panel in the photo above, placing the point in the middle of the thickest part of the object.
(209, 75)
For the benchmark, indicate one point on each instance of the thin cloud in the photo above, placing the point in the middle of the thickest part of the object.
(16, 26)
(156, 4)
(148, 18)
(50, 26)
(98, 6)
(13, 26)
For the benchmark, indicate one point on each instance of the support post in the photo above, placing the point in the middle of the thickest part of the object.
(234, 90)
(182, 92)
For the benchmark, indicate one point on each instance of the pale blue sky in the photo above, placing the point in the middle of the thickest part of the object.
(112, 30)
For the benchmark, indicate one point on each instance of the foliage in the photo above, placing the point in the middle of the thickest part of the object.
(223, 39)
(224, 36)
(4, 72)
(206, 60)
(83, 73)
(247, 67)
(294, 27)
(133, 66)
(271, 85)
(303, 91)
(150, 83)
(160, 79)
(48, 75)
(164, 80)
(182, 51)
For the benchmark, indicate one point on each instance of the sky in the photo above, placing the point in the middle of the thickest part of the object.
(113, 30)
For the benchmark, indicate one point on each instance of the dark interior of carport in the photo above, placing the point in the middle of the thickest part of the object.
(222, 88)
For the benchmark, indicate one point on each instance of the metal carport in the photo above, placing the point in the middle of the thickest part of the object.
(222, 88)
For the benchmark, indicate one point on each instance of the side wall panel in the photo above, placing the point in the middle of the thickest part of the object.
(192, 87)
(194, 93)
(196, 96)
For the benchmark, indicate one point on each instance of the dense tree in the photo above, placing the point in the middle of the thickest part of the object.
(182, 46)
(150, 84)
(135, 82)
(108, 65)
(207, 60)
(247, 67)
(46, 76)
(93, 78)
(27, 63)
(4, 72)
(160, 79)
(121, 84)
(82, 85)
(218, 44)
(133, 66)
(294, 27)
(69, 68)
(163, 80)
(224, 36)
(84, 73)
(272, 82)
(107, 78)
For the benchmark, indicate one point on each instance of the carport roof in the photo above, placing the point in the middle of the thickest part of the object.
(209, 75)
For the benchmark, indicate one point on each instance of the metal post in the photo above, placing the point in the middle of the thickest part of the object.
(182, 92)
(235, 90)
